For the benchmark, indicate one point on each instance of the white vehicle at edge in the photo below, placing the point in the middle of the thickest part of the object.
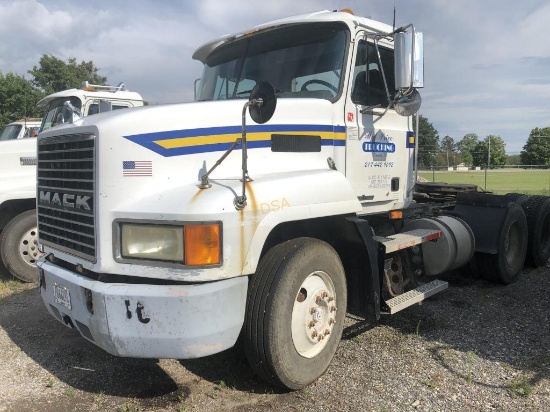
(18, 240)
(20, 129)
(279, 200)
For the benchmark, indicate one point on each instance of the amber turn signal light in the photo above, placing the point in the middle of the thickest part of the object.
(202, 244)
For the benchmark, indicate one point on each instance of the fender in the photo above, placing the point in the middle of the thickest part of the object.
(309, 194)
(13, 189)
(485, 214)
(271, 200)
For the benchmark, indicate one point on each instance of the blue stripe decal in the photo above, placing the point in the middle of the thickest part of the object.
(148, 140)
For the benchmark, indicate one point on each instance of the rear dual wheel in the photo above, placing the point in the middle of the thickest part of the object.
(537, 210)
(506, 265)
(296, 310)
(519, 198)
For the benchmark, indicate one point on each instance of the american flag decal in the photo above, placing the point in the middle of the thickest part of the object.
(137, 168)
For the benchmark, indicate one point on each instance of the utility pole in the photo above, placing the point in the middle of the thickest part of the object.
(489, 153)
(488, 160)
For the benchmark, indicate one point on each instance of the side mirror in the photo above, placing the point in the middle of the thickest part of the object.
(70, 113)
(409, 60)
(409, 104)
(262, 112)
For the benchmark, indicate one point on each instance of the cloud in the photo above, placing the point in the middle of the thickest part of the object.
(486, 62)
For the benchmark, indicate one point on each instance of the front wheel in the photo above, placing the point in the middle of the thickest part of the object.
(19, 246)
(295, 312)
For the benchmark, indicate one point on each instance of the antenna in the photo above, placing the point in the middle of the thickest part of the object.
(393, 15)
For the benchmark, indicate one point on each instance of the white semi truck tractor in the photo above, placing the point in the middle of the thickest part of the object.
(19, 240)
(21, 129)
(283, 198)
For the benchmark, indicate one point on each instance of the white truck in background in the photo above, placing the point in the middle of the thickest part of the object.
(280, 200)
(18, 239)
(20, 129)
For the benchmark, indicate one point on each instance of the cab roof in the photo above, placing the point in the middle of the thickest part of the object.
(94, 92)
(317, 17)
(29, 120)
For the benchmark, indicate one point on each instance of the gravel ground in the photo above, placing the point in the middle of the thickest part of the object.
(475, 347)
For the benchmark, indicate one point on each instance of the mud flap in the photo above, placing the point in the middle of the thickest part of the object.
(374, 270)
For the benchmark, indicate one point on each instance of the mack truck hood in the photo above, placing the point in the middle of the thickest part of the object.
(149, 164)
(146, 152)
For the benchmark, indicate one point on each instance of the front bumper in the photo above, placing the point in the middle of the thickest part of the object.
(147, 321)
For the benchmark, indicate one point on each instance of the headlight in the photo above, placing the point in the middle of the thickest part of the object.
(188, 244)
(152, 242)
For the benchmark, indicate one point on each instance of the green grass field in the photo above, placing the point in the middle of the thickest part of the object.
(499, 181)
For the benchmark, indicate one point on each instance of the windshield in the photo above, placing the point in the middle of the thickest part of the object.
(299, 61)
(11, 132)
(58, 113)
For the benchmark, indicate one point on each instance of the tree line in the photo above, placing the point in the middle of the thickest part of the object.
(18, 95)
(18, 98)
(472, 151)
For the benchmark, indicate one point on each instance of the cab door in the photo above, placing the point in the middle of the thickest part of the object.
(377, 156)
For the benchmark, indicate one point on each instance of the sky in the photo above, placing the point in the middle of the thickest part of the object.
(486, 63)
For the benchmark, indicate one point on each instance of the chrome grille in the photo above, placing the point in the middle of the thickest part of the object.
(66, 193)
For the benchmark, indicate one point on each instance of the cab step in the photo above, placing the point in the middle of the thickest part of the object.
(414, 296)
(405, 240)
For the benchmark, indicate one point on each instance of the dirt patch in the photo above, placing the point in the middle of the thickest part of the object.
(475, 346)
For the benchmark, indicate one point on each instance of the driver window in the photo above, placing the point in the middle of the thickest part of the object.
(368, 84)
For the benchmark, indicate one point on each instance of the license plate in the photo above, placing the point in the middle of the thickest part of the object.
(61, 295)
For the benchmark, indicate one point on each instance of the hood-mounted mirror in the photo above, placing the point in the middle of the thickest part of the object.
(263, 102)
(261, 106)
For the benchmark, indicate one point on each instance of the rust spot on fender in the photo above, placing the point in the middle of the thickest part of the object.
(196, 195)
(251, 197)
(248, 221)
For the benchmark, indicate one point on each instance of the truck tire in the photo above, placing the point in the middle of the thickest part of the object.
(537, 210)
(519, 198)
(506, 265)
(19, 246)
(295, 312)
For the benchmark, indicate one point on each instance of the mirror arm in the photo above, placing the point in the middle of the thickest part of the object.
(269, 101)
(240, 201)
(388, 97)
(370, 110)
(204, 178)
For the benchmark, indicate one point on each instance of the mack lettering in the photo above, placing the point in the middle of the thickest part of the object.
(65, 200)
